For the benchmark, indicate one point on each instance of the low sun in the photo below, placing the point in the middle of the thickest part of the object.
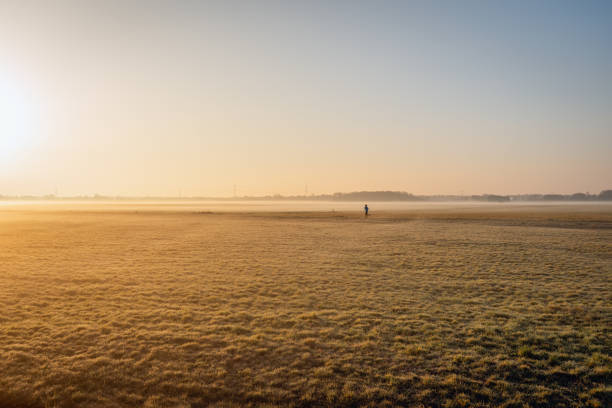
(16, 120)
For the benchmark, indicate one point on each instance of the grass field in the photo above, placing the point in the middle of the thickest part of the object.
(487, 306)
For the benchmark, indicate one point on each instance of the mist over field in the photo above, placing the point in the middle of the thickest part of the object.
(167, 305)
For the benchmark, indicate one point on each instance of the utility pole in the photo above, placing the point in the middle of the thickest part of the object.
(306, 190)
(234, 191)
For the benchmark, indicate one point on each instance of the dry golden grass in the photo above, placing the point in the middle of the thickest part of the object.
(503, 306)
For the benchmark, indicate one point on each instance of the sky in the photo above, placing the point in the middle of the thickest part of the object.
(192, 98)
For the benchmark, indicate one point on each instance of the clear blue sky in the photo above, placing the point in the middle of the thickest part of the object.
(429, 97)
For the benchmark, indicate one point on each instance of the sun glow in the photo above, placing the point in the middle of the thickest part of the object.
(17, 120)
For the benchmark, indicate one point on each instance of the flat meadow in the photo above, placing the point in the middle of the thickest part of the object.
(183, 306)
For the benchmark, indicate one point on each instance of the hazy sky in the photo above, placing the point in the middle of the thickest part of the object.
(162, 97)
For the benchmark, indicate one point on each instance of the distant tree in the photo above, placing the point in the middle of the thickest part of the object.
(553, 197)
(579, 197)
(605, 195)
(375, 196)
(491, 198)
(497, 198)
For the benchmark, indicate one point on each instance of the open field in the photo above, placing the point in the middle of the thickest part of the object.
(497, 305)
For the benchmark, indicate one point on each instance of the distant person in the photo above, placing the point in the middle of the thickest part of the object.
(366, 209)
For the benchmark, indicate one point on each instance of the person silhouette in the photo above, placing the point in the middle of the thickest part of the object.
(366, 209)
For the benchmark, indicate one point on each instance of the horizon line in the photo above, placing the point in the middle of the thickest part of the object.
(391, 195)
